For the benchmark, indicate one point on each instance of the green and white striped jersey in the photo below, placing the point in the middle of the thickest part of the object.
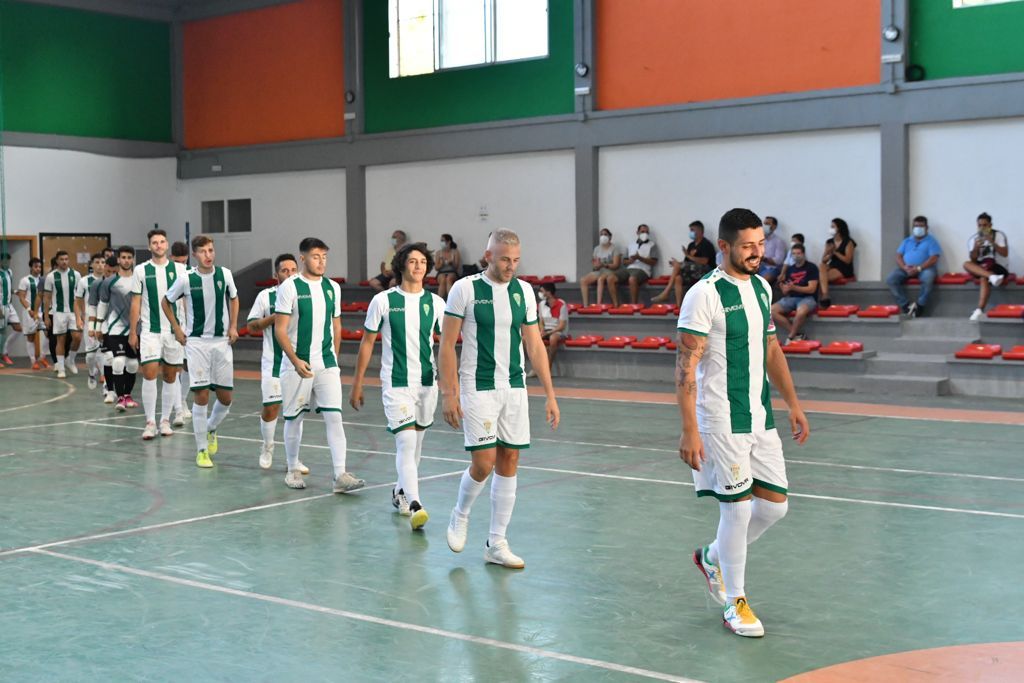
(492, 338)
(313, 305)
(272, 353)
(151, 282)
(206, 298)
(62, 284)
(115, 300)
(407, 323)
(6, 288)
(733, 396)
(82, 292)
(30, 285)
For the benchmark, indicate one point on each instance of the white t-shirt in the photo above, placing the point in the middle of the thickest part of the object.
(492, 340)
(732, 380)
(407, 323)
(270, 362)
(206, 301)
(647, 249)
(988, 250)
(313, 306)
(550, 316)
(151, 282)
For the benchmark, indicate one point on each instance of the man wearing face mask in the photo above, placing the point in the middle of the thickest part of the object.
(916, 257)
(640, 259)
(799, 293)
(774, 250)
(698, 260)
(386, 278)
(986, 247)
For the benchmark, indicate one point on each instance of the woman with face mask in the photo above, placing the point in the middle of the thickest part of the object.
(837, 261)
(607, 271)
(449, 264)
(641, 257)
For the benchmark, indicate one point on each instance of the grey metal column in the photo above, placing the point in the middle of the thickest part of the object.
(355, 218)
(583, 51)
(895, 194)
(896, 53)
(353, 37)
(178, 85)
(587, 189)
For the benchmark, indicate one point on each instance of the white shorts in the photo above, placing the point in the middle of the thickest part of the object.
(271, 388)
(8, 316)
(64, 323)
(28, 325)
(496, 417)
(737, 462)
(90, 343)
(298, 392)
(407, 407)
(160, 347)
(210, 364)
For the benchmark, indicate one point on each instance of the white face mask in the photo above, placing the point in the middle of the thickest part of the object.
(919, 231)
(394, 241)
(642, 237)
(605, 239)
(832, 232)
(444, 246)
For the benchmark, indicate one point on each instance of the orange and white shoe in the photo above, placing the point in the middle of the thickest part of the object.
(37, 366)
(741, 620)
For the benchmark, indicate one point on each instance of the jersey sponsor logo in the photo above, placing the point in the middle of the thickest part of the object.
(303, 296)
(730, 309)
(396, 309)
(484, 302)
(196, 288)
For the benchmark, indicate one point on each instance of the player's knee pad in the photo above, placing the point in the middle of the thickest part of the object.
(131, 365)
(118, 364)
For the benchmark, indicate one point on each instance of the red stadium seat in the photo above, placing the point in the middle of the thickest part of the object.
(879, 311)
(363, 306)
(430, 281)
(552, 279)
(244, 332)
(626, 309)
(364, 283)
(1016, 353)
(583, 341)
(530, 279)
(982, 351)
(267, 283)
(671, 346)
(574, 307)
(650, 343)
(838, 311)
(1007, 311)
(349, 307)
(953, 279)
(659, 281)
(593, 309)
(617, 342)
(351, 335)
(339, 280)
(801, 347)
(844, 280)
(841, 348)
(255, 334)
(657, 309)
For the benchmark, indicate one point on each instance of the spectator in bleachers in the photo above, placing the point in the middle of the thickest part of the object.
(986, 247)
(554, 319)
(698, 259)
(448, 262)
(774, 251)
(641, 256)
(799, 293)
(798, 238)
(607, 270)
(916, 257)
(837, 261)
(386, 278)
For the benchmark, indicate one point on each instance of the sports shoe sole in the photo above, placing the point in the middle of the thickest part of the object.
(418, 519)
(707, 579)
(751, 634)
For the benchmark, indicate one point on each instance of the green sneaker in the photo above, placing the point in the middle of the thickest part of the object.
(211, 442)
(203, 459)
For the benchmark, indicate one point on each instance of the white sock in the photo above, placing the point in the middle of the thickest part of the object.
(31, 348)
(71, 355)
(731, 546)
(419, 445)
(167, 394)
(199, 425)
(469, 489)
(405, 464)
(179, 391)
(149, 398)
(292, 441)
(267, 430)
(60, 362)
(763, 514)
(336, 441)
(217, 414)
(503, 499)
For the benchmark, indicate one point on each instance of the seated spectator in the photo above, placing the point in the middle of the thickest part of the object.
(837, 261)
(698, 258)
(448, 262)
(798, 238)
(607, 270)
(641, 256)
(799, 293)
(986, 247)
(386, 278)
(916, 257)
(774, 251)
(554, 318)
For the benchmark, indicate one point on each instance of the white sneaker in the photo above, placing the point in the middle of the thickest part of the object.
(149, 432)
(741, 620)
(267, 456)
(400, 502)
(301, 468)
(178, 420)
(500, 553)
(458, 527)
(294, 480)
(61, 374)
(996, 280)
(165, 428)
(185, 413)
(977, 315)
(712, 575)
(72, 368)
(109, 397)
(347, 482)
(92, 382)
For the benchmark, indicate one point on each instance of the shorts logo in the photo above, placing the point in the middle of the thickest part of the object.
(488, 425)
(517, 298)
(735, 471)
(405, 410)
(737, 487)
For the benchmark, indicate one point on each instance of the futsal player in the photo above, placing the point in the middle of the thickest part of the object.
(59, 300)
(9, 323)
(85, 317)
(115, 299)
(179, 254)
(30, 294)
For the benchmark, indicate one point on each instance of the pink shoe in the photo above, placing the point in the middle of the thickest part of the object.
(7, 360)
(129, 402)
(121, 405)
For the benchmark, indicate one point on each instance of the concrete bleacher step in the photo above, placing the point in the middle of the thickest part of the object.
(948, 327)
(903, 364)
(874, 384)
(929, 345)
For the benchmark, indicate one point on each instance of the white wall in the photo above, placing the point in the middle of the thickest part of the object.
(285, 208)
(959, 170)
(804, 179)
(532, 194)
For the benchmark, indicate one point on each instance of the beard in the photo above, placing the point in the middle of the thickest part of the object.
(747, 267)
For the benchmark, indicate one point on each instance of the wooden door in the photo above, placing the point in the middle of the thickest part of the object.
(80, 247)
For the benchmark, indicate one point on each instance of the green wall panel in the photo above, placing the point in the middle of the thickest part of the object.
(539, 87)
(974, 41)
(70, 72)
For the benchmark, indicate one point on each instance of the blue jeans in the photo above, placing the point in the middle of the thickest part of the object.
(898, 277)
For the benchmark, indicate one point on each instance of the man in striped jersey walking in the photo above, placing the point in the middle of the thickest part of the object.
(85, 316)
(211, 327)
(308, 328)
(30, 294)
(261, 319)
(496, 313)
(159, 352)
(8, 316)
(58, 307)
(115, 297)
(407, 316)
(727, 355)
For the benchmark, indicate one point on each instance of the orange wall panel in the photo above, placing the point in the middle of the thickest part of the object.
(267, 75)
(659, 52)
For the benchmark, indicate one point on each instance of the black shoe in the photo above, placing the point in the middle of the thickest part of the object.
(824, 303)
(913, 310)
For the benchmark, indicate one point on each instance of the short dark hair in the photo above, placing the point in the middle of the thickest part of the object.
(59, 253)
(310, 243)
(155, 231)
(799, 237)
(283, 257)
(97, 255)
(200, 241)
(34, 260)
(108, 248)
(735, 220)
(773, 219)
(800, 246)
(125, 249)
(112, 261)
(549, 287)
(984, 215)
(179, 249)
(402, 256)
(921, 219)
(697, 224)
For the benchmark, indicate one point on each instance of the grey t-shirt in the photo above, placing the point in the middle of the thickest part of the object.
(116, 293)
(606, 254)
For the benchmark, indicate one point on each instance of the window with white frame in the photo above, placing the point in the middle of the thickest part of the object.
(431, 35)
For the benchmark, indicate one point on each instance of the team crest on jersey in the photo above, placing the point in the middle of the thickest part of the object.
(171, 275)
(426, 309)
(330, 294)
(764, 300)
(220, 285)
(518, 298)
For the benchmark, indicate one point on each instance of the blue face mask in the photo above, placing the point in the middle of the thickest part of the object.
(919, 231)
(693, 235)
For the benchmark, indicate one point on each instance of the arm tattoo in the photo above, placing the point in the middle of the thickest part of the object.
(690, 349)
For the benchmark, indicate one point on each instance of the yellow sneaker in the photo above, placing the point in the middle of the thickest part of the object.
(211, 442)
(418, 516)
(741, 620)
(203, 459)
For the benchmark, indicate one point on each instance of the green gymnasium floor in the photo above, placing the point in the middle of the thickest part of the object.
(121, 560)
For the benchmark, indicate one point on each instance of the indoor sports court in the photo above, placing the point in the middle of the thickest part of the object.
(511, 340)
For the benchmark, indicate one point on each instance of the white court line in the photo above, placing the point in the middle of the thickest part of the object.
(377, 621)
(202, 518)
(69, 422)
(70, 390)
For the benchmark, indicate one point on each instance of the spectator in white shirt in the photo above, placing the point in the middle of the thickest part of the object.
(641, 257)
(774, 251)
(986, 247)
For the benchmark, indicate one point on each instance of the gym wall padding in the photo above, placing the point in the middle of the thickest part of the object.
(662, 52)
(973, 41)
(267, 75)
(71, 72)
(535, 87)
